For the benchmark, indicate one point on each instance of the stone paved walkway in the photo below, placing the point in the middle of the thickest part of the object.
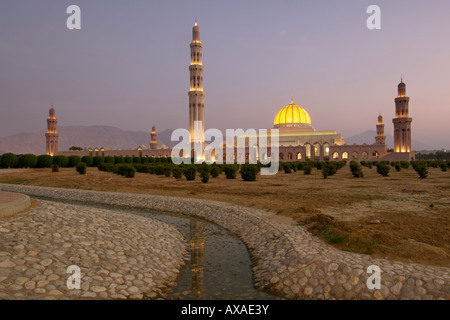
(120, 256)
(287, 260)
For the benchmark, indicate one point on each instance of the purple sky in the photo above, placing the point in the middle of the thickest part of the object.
(128, 66)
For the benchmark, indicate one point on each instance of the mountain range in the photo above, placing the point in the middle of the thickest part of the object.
(115, 138)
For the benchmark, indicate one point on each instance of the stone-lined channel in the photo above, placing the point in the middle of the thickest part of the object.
(217, 266)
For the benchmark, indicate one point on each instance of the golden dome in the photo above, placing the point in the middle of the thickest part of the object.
(292, 116)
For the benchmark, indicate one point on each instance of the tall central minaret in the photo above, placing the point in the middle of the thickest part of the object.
(196, 94)
(402, 121)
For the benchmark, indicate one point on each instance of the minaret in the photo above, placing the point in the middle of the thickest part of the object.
(52, 135)
(154, 139)
(402, 121)
(196, 94)
(380, 138)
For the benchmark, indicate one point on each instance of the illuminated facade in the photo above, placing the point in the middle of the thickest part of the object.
(298, 140)
(196, 94)
(402, 121)
(51, 136)
(153, 139)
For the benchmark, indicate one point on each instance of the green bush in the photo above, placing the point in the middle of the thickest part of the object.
(118, 159)
(109, 159)
(88, 160)
(230, 171)
(61, 161)
(383, 169)
(106, 166)
(98, 160)
(8, 160)
(249, 172)
(125, 169)
(398, 167)
(159, 170)
(356, 169)
(190, 172)
(205, 173)
(404, 164)
(177, 172)
(137, 160)
(73, 161)
(44, 161)
(421, 168)
(286, 168)
(144, 160)
(215, 171)
(444, 166)
(27, 161)
(81, 168)
(128, 160)
(55, 168)
(307, 169)
(167, 171)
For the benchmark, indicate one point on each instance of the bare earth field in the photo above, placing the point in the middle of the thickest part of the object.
(400, 217)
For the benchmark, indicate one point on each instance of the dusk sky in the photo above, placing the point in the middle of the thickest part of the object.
(128, 65)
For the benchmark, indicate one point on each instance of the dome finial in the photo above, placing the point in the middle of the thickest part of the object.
(195, 23)
(292, 100)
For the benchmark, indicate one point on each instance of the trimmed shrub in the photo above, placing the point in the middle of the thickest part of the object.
(61, 161)
(307, 169)
(159, 170)
(167, 171)
(398, 167)
(118, 159)
(88, 160)
(137, 160)
(286, 168)
(190, 172)
(128, 160)
(73, 161)
(356, 169)
(144, 160)
(8, 160)
(44, 161)
(230, 171)
(215, 171)
(383, 169)
(55, 168)
(81, 168)
(125, 169)
(98, 160)
(177, 172)
(109, 159)
(404, 164)
(444, 166)
(249, 172)
(27, 161)
(107, 167)
(205, 173)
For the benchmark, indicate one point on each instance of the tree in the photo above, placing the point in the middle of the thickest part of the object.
(88, 160)
(27, 161)
(61, 161)
(8, 160)
(81, 168)
(249, 172)
(73, 161)
(74, 148)
(44, 161)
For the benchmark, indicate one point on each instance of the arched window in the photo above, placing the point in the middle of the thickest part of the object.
(335, 155)
(289, 156)
(364, 155)
(345, 155)
(354, 155)
(299, 156)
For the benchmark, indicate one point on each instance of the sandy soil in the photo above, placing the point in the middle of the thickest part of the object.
(399, 217)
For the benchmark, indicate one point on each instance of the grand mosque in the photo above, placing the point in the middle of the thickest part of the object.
(298, 140)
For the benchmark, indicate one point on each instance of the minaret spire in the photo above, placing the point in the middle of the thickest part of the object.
(51, 136)
(196, 94)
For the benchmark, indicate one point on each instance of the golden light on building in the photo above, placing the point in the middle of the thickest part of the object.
(292, 115)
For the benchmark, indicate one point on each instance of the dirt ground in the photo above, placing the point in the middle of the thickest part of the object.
(400, 217)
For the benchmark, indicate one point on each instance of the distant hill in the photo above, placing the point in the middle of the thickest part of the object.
(82, 136)
(369, 138)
